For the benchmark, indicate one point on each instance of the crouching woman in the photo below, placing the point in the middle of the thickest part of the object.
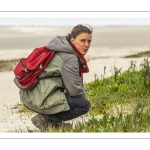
(62, 97)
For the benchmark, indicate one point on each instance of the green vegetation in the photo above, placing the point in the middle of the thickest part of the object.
(123, 101)
(22, 109)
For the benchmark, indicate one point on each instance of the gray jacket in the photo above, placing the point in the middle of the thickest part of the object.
(48, 97)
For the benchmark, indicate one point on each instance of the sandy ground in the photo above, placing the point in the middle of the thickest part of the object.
(109, 46)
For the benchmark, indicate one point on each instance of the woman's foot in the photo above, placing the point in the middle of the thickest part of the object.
(43, 123)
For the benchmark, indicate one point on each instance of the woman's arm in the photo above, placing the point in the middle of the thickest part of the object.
(71, 78)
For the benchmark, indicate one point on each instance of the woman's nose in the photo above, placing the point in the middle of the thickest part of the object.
(87, 43)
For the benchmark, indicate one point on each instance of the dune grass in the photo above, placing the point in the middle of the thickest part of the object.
(123, 101)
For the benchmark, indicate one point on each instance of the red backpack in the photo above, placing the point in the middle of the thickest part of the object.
(28, 69)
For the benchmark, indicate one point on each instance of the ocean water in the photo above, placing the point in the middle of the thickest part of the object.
(134, 21)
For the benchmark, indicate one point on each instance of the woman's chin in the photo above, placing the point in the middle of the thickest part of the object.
(84, 53)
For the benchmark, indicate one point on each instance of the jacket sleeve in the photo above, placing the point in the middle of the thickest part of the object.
(71, 78)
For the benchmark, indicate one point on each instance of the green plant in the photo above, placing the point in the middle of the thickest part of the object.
(123, 100)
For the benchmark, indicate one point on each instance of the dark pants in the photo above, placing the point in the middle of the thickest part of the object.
(79, 106)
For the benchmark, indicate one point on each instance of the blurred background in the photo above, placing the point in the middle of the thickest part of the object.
(115, 40)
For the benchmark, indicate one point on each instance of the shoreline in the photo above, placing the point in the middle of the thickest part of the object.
(112, 37)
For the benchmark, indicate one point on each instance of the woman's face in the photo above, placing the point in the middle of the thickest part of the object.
(82, 42)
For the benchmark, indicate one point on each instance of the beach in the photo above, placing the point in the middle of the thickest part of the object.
(109, 47)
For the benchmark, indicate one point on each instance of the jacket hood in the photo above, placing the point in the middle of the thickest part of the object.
(60, 44)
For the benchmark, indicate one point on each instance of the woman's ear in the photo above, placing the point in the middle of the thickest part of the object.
(72, 40)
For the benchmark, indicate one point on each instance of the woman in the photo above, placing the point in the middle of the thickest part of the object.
(61, 98)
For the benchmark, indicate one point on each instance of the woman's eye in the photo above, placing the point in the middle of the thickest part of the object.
(82, 41)
(89, 41)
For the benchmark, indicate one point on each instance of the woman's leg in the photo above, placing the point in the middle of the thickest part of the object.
(79, 106)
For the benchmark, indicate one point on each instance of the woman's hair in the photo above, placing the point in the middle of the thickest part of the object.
(78, 30)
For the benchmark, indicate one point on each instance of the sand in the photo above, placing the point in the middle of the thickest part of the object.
(108, 48)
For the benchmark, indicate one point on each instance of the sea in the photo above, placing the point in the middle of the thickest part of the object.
(116, 21)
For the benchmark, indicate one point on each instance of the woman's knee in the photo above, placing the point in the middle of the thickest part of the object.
(82, 104)
(86, 106)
